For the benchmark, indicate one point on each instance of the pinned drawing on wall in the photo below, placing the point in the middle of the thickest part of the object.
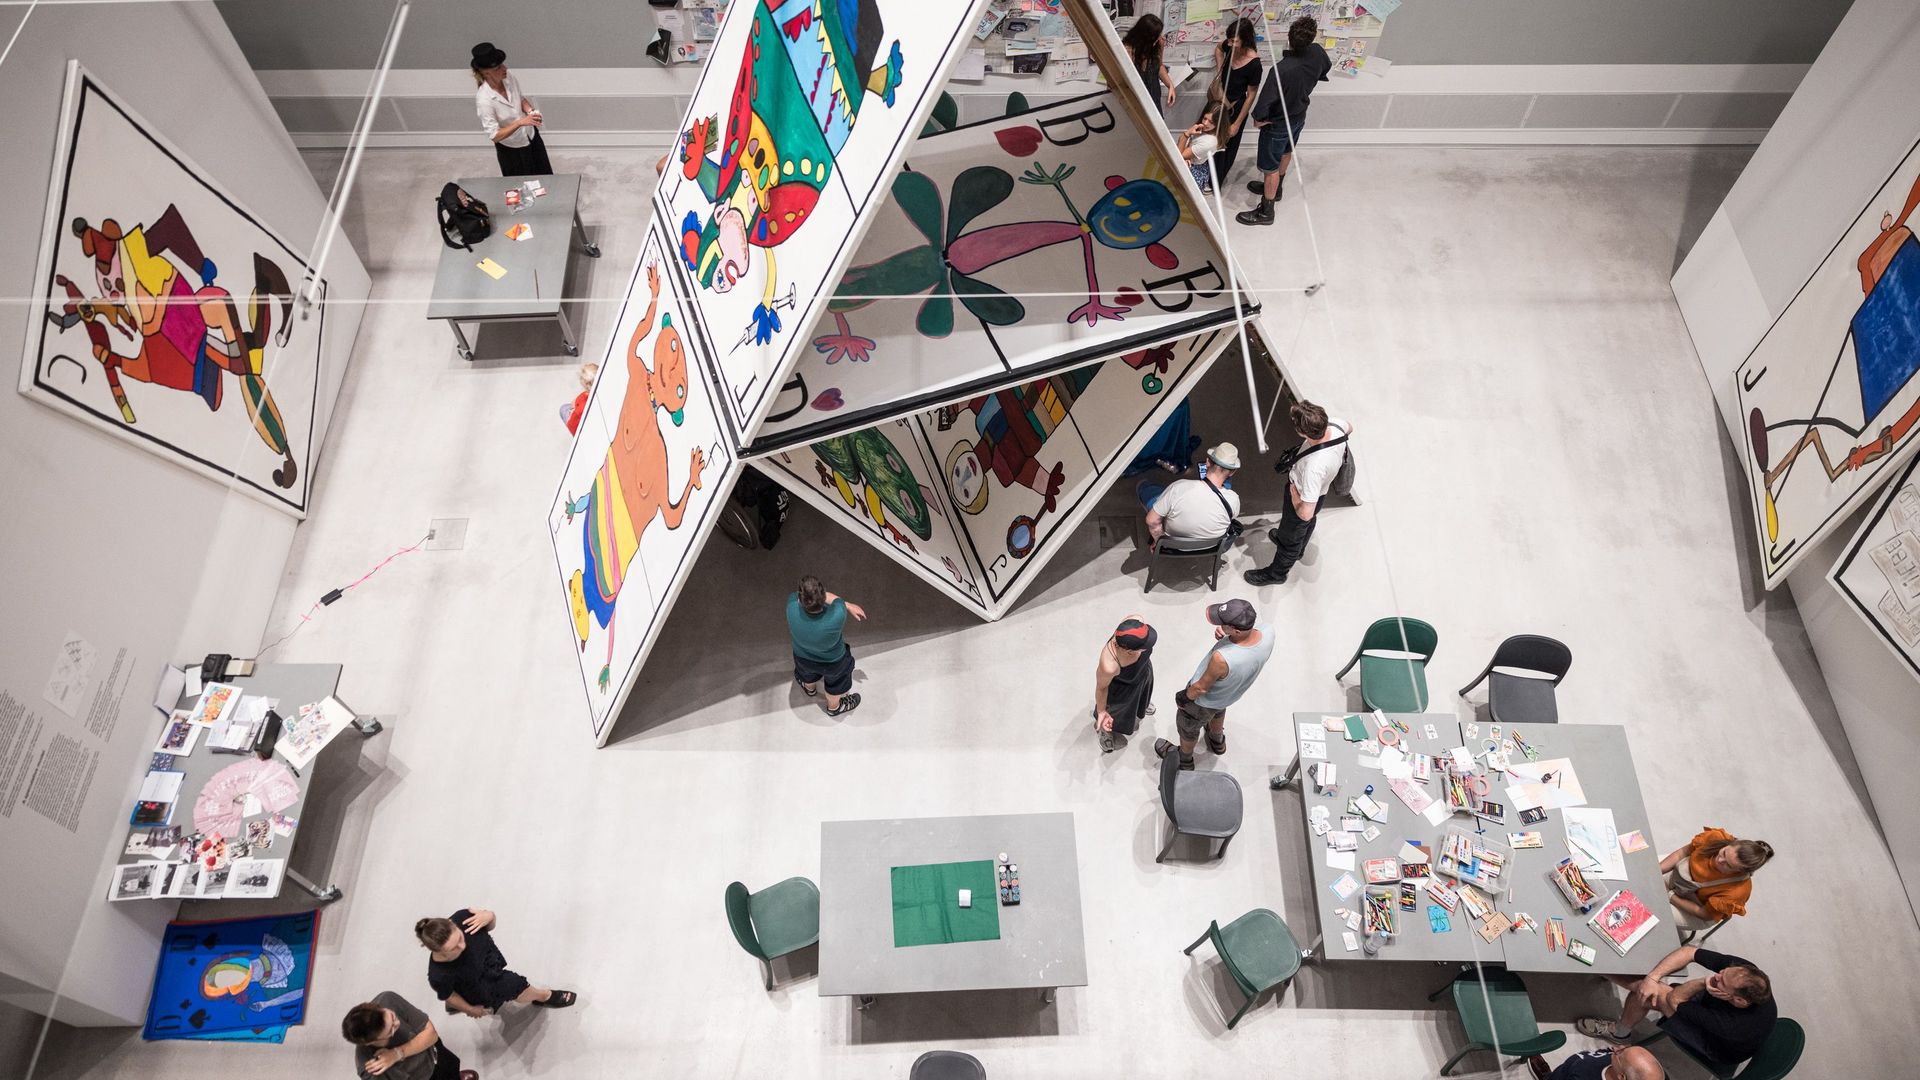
(650, 467)
(802, 111)
(1829, 396)
(169, 308)
(1879, 573)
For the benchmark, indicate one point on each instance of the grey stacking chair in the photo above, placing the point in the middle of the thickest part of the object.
(1199, 803)
(1212, 553)
(1520, 699)
(947, 1065)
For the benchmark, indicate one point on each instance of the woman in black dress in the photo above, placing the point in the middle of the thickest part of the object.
(1237, 71)
(1123, 683)
(1146, 47)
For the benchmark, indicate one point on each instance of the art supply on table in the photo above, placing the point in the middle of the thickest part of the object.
(1381, 871)
(1622, 921)
(1409, 896)
(1443, 894)
(519, 230)
(492, 269)
(1356, 729)
(1556, 933)
(1573, 885)
(1007, 879)
(1431, 731)
(1520, 840)
(1377, 914)
(1631, 842)
(1437, 920)
(1582, 952)
(1472, 859)
(1492, 926)
(1344, 887)
(1533, 815)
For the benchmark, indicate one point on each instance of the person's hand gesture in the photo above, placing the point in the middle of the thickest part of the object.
(859, 613)
(382, 1060)
(1106, 720)
(477, 920)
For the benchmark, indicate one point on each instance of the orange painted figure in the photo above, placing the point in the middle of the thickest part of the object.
(631, 486)
(181, 337)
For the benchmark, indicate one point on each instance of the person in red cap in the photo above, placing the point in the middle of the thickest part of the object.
(1123, 683)
(1241, 647)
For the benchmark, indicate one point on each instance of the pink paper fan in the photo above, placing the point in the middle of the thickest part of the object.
(222, 802)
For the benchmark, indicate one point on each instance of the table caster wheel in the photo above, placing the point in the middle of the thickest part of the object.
(593, 251)
(573, 350)
(465, 353)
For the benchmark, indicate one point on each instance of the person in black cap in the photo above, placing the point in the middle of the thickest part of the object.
(1241, 647)
(508, 117)
(1123, 683)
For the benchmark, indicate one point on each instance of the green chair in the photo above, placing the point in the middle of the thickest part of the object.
(1259, 952)
(1497, 1015)
(1774, 1060)
(1393, 664)
(775, 921)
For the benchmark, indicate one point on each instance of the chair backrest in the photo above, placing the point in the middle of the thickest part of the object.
(1402, 635)
(1169, 776)
(1779, 1054)
(1534, 653)
(1498, 1014)
(947, 1065)
(739, 918)
(1199, 549)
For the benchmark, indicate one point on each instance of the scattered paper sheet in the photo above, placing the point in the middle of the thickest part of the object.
(1312, 733)
(72, 667)
(1631, 842)
(972, 66)
(1343, 886)
(1551, 783)
(1340, 860)
(1594, 843)
(1352, 942)
(161, 787)
(172, 682)
(1313, 751)
(1436, 814)
(1412, 794)
(1409, 853)
(1462, 758)
(492, 269)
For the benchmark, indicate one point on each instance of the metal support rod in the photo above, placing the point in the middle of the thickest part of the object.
(350, 169)
(1239, 310)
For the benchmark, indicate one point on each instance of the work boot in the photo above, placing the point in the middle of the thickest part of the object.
(1258, 187)
(1259, 215)
(1263, 576)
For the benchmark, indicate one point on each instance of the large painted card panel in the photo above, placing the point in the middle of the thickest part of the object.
(1011, 244)
(168, 315)
(801, 113)
(1879, 574)
(1829, 397)
(1023, 465)
(884, 484)
(649, 472)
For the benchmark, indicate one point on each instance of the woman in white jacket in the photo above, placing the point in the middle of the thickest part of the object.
(508, 117)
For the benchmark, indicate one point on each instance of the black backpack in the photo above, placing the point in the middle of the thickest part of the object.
(464, 220)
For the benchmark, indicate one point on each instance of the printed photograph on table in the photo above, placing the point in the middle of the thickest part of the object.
(1879, 574)
(169, 308)
(650, 468)
(1022, 463)
(800, 111)
(885, 482)
(1031, 239)
(1828, 398)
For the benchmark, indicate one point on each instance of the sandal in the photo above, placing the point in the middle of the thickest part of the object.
(805, 689)
(1217, 743)
(1160, 748)
(848, 703)
(559, 999)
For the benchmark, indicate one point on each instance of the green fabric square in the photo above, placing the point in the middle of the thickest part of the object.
(926, 903)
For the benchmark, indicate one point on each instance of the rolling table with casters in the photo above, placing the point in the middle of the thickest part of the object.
(1042, 944)
(535, 284)
(293, 685)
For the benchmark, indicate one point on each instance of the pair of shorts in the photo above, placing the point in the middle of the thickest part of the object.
(837, 674)
(1192, 719)
(1276, 141)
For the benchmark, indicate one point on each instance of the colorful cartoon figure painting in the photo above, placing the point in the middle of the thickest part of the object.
(170, 315)
(810, 68)
(872, 478)
(231, 975)
(1867, 294)
(1013, 425)
(631, 487)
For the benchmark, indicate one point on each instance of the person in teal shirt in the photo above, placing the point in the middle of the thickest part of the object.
(816, 620)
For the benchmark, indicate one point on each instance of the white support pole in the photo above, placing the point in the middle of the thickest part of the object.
(1239, 309)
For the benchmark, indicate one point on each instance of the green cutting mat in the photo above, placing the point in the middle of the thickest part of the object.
(926, 903)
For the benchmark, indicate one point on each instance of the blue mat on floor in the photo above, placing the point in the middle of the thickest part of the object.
(232, 979)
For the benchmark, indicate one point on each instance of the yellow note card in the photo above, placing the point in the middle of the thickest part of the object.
(493, 269)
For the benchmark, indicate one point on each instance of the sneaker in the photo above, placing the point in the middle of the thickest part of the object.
(1206, 189)
(1109, 742)
(1160, 748)
(848, 703)
(804, 688)
(1595, 1027)
(1152, 708)
(1265, 577)
(1539, 1066)
(1259, 215)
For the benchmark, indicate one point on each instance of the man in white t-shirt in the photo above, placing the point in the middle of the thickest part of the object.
(1322, 450)
(1195, 513)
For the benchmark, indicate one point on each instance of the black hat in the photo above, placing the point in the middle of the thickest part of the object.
(1234, 614)
(486, 56)
(1134, 634)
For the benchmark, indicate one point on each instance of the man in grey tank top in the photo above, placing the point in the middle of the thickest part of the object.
(1241, 647)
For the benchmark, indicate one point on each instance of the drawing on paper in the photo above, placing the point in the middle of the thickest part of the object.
(1879, 572)
(169, 316)
(1829, 396)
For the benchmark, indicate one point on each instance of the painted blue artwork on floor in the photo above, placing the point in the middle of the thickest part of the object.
(240, 977)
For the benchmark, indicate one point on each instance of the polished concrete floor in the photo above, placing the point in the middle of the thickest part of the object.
(1539, 452)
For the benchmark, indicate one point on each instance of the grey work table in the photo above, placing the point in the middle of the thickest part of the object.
(293, 685)
(1604, 766)
(1042, 944)
(535, 284)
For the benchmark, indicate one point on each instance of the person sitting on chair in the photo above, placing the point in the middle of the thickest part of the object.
(1191, 513)
(1613, 1063)
(1725, 1016)
(1711, 878)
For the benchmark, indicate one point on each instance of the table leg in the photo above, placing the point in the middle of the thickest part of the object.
(591, 251)
(865, 1002)
(324, 895)
(566, 331)
(461, 343)
(1046, 995)
(1285, 778)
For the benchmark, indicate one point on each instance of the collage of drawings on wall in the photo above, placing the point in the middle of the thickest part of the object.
(170, 316)
(1879, 573)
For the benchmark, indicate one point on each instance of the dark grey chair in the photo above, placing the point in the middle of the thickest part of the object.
(947, 1065)
(1199, 803)
(1212, 554)
(1519, 699)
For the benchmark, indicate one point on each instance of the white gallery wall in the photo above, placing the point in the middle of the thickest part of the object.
(143, 559)
(1848, 126)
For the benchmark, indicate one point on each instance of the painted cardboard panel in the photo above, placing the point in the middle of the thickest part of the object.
(1828, 396)
(169, 316)
(1023, 465)
(649, 472)
(800, 115)
(884, 483)
(1879, 573)
(1011, 244)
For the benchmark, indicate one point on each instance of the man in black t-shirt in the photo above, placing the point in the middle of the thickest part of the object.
(1618, 1063)
(1281, 113)
(1725, 1016)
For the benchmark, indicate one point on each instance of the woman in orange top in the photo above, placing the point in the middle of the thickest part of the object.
(1710, 878)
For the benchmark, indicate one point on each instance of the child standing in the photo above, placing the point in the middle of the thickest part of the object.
(1198, 142)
